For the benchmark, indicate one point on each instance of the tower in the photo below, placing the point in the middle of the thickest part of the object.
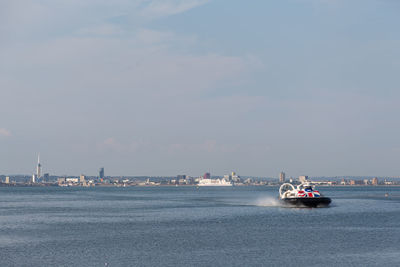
(38, 168)
(282, 177)
(101, 173)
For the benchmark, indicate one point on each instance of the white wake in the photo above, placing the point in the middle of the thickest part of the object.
(268, 202)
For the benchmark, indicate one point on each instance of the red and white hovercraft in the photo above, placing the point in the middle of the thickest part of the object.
(302, 195)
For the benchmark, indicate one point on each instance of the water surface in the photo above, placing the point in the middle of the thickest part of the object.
(189, 226)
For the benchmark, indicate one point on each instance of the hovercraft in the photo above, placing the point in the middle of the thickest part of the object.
(303, 195)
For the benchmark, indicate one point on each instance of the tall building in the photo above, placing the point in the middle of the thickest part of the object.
(82, 179)
(282, 177)
(207, 175)
(101, 173)
(7, 179)
(375, 181)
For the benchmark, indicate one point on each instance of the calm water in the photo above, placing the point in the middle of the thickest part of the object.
(185, 226)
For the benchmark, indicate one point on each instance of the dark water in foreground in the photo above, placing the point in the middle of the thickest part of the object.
(185, 226)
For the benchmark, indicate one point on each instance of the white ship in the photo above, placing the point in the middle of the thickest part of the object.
(214, 182)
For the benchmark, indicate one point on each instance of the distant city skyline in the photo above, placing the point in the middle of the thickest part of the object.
(281, 177)
(167, 87)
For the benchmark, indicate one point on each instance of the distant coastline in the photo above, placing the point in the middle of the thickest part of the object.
(183, 180)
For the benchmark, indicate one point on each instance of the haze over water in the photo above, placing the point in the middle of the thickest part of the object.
(186, 226)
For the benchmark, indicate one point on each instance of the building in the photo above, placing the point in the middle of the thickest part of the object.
(282, 177)
(386, 182)
(207, 175)
(375, 181)
(101, 173)
(356, 182)
(303, 178)
(7, 180)
(235, 178)
(61, 181)
(82, 179)
(248, 181)
(180, 179)
(72, 180)
(34, 178)
(189, 180)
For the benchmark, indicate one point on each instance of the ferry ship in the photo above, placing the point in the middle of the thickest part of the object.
(303, 195)
(214, 182)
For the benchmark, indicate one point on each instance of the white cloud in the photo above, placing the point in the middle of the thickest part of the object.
(101, 30)
(89, 52)
(148, 63)
(30, 19)
(205, 147)
(5, 132)
(164, 8)
(112, 144)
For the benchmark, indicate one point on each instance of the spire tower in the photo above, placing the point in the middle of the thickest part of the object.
(38, 168)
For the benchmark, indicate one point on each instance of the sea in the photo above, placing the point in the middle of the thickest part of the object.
(190, 226)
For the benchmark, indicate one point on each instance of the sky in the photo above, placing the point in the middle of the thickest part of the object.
(167, 87)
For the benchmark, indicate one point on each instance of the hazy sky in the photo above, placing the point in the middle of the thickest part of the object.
(166, 87)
